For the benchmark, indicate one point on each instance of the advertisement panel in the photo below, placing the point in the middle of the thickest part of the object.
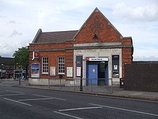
(52, 71)
(35, 70)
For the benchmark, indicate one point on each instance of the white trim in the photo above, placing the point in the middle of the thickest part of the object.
(62, 73)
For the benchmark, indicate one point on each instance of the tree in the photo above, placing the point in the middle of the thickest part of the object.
(22, 58)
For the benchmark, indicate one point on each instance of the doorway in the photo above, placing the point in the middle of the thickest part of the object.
(97, 73)
(102, 73)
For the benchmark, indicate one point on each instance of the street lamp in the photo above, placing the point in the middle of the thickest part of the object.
(81, 86)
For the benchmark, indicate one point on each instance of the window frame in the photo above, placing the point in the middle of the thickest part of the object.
(61, 65)
(45, 61)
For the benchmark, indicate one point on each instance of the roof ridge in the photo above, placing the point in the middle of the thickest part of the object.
(60, 31)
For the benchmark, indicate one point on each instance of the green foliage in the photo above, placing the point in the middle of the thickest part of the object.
(22, 57)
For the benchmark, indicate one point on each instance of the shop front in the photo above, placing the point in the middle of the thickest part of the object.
(99, 66)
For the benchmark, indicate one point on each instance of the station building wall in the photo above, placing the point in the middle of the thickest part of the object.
(96, 38)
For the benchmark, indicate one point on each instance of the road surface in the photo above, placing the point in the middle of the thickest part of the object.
(24, 103)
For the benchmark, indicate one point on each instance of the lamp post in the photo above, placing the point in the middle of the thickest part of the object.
(81, 86)
(19, 69)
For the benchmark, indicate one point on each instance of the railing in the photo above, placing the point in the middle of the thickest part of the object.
(98, 85)
(88, 85)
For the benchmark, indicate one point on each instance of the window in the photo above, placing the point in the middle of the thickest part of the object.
(61, 65)
(44, 65)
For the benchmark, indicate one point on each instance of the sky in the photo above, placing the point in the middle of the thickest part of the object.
(21, 19)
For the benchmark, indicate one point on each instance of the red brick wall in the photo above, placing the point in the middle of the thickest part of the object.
(97, 24)
(126, 58)
(47, 46)
(141, 77)
(53, 56)
(53, 61)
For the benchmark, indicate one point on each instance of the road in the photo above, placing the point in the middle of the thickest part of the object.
(23, 103)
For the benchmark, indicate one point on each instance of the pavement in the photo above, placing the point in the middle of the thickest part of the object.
(113, 91)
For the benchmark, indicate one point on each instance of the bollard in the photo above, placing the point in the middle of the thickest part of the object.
(19, 81)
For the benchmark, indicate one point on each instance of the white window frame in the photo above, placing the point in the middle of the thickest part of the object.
(44, 65)
(61, 65)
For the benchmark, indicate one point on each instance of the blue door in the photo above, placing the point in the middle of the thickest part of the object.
(92, 74)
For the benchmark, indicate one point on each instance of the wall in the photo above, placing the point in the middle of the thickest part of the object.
(58, 82)
(141, 77)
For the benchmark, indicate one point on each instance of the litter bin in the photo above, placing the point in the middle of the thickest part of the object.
(122, 83)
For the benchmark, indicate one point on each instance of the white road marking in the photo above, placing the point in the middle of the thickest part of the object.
(15, 91)
(127, 110)
(82, 108)
(75, 117)
(49, 97)
(17, 101)
(44, 98)
(11, 94)
(41, 95)
(36, 99)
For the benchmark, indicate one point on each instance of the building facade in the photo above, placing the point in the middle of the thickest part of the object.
(96, 52)
(7, 67)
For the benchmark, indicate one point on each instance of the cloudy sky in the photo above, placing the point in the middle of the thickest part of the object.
(21, 19)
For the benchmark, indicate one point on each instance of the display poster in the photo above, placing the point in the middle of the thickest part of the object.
(115, 67)
(52, 71)
(35, 70)
(78, 73)
(69, 71)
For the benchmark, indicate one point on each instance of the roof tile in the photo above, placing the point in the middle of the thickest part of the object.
(56, 37)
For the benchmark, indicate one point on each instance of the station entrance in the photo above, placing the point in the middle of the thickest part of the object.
(97, 72)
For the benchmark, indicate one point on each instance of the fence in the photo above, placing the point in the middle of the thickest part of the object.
(88, 85)
(98, 85)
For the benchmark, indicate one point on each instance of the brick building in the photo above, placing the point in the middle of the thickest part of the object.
(7, 67)
(96, 51)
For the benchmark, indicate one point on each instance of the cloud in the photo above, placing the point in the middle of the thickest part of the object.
(146, 53)
(15, 33)
(12, 22)
(142, 13)
(2, 16)
(20, 21)
(6, 49)
(145, 58)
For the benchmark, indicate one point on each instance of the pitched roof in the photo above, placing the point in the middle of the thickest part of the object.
(96, 10)
(54, 37)
(63, 36)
